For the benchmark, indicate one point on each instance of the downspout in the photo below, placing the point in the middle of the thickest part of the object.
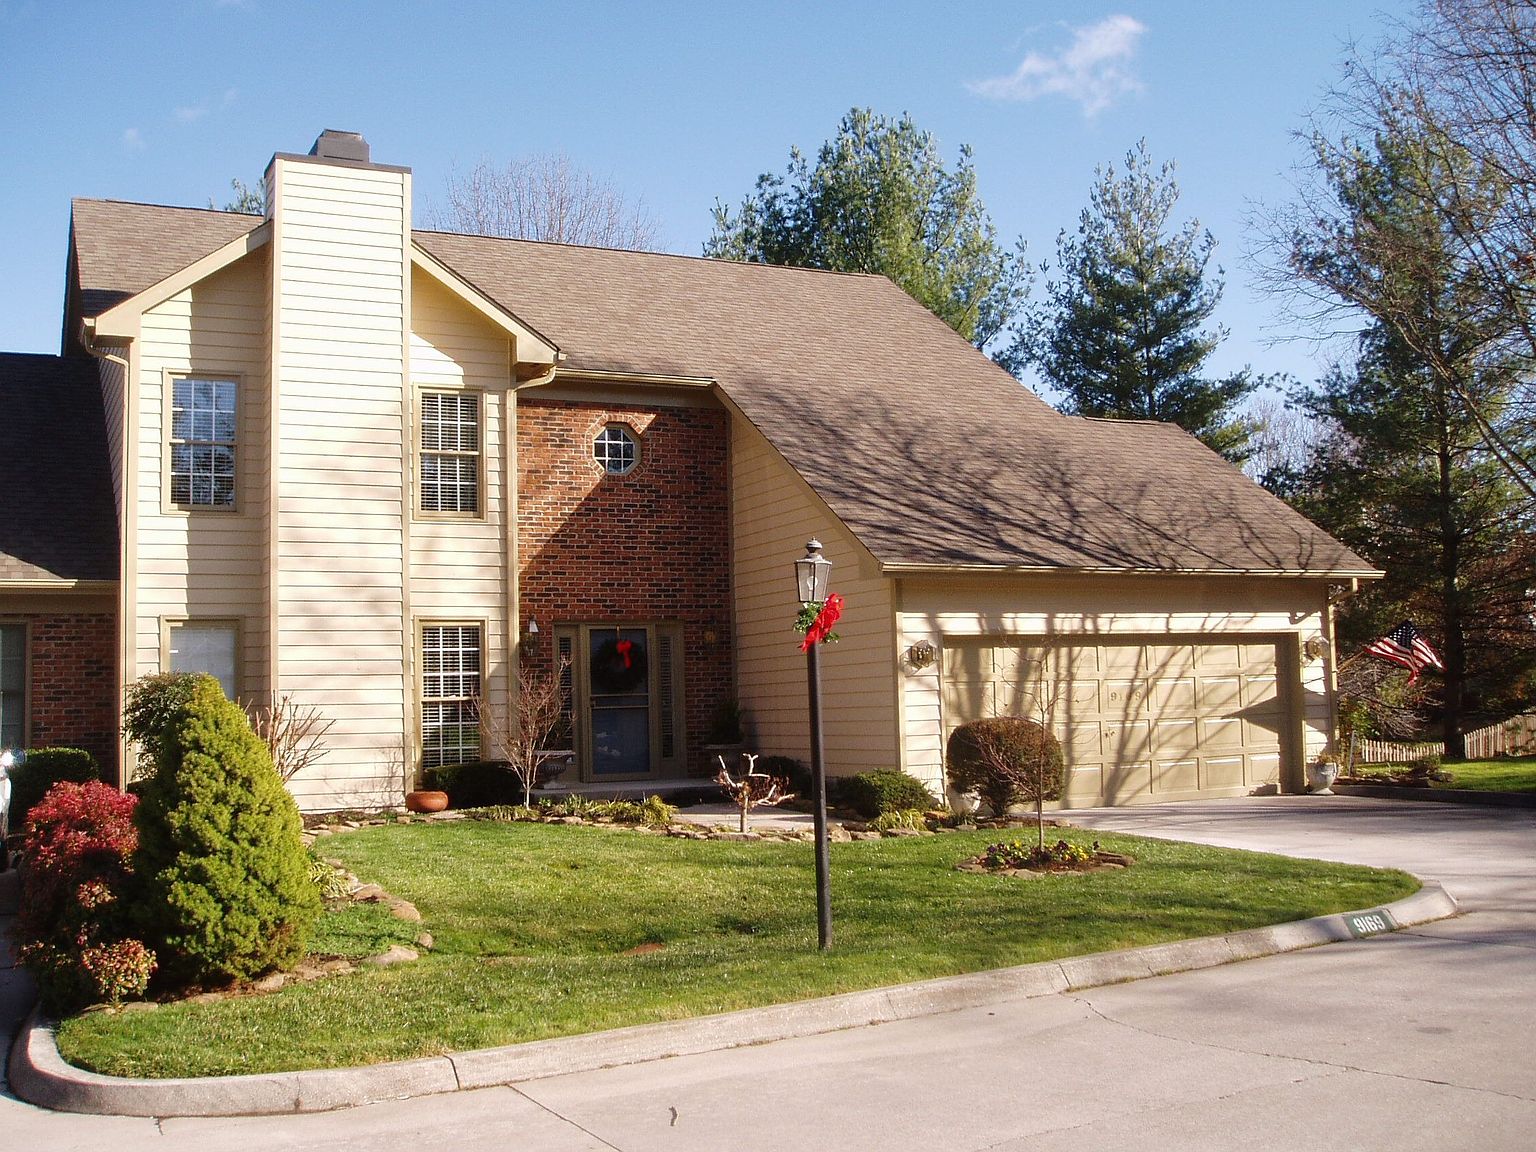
(88, 342)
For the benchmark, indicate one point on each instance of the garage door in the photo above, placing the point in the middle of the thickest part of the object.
(1138, 722)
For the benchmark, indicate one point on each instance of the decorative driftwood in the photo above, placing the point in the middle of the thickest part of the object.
(754, 788)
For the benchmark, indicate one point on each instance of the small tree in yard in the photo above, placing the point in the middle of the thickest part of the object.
(540, 714)
(294, 736)
(221, 871)
(753, 788)
(1008, 760)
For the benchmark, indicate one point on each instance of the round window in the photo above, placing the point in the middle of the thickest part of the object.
(616, 449)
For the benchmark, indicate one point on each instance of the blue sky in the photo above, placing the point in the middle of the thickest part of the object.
(678, 103)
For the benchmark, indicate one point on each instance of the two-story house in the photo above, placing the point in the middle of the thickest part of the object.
(318, 453)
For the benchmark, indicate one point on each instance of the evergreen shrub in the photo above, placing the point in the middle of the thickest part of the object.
(72, 925)
(1007, 760)
(871, 794)
(41, 770)
(224, 891)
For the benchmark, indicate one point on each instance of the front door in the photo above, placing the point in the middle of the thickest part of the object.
(624, 705)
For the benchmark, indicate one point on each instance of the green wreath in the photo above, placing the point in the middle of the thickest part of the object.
(618, 666)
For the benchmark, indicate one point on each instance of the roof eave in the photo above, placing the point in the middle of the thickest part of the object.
(121, 321)
(907, 568)
(543, 351)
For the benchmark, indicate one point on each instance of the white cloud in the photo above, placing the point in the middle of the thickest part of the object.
(132, 140)
(1093, 70)
(188, 115)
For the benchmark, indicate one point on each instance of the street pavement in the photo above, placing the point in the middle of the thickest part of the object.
(1421, 1039)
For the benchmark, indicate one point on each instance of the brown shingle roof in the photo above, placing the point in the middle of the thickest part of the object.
(122, 249)
(927, 450)
(57, 515)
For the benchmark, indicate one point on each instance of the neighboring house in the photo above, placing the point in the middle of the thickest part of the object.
(368, 467)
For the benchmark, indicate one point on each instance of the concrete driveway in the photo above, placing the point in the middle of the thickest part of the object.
(1424, 1039)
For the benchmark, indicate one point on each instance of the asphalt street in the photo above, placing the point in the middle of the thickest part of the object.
(1420, 1039)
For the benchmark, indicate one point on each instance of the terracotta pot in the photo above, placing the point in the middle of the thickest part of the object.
(426, 801)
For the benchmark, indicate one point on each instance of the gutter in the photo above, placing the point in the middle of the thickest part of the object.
(902, 568)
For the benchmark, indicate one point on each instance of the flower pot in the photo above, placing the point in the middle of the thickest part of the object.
(1321, 775)
(424, 800)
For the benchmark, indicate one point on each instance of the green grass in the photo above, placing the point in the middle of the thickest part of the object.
(1512, 775)
(531, 922)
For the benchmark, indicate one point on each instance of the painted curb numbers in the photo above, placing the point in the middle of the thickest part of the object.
(1363, 924)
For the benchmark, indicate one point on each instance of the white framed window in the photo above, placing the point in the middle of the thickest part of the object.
(449, 465)
(13, 685)
(451, 656)
(616, 449)
(209, 646)
(204, 416)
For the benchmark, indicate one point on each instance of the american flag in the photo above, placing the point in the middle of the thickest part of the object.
(1403, 645)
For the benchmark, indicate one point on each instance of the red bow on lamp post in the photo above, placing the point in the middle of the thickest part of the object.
(819, 630)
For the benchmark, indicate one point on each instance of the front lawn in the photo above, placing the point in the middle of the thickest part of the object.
(1517, 774)
(533, 922)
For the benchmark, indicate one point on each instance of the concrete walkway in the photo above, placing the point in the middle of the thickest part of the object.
(1417, 1040)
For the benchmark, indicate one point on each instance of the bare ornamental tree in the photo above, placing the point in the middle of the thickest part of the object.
(540, 715)
(544, 197)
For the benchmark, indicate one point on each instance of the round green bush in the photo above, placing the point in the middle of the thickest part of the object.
(871, 794)
(222, 874)
(41, 770)
(1007, 760)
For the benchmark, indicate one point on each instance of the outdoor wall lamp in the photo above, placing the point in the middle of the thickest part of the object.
(921, 654)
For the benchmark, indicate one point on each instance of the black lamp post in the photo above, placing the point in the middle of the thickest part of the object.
(813, 571)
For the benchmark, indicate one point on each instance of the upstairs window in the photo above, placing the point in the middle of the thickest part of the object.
(616, 449)
(202, 442)
(450, 452)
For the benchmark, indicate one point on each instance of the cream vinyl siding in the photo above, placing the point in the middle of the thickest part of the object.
(459, 563)
(774, 513)
(1088, 611)
(340, 309)
(205, 563)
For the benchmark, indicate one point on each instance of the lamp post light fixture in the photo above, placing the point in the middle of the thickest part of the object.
(813, 573)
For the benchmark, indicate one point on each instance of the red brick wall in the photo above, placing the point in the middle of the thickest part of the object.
(72, 686)
(653, 545)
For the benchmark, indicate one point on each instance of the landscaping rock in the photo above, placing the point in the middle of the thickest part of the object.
(739, 837)
(860, 836)
(902, 832)
(370, 894)
(404, 910)
(837, 834)
(424, 941)
(271, 982)
(397, 954)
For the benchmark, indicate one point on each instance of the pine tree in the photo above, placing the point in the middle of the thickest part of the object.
(1120, 330)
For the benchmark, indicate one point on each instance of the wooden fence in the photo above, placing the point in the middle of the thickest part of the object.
(1515, 737)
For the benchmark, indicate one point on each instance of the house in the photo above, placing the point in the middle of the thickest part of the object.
(319, 453)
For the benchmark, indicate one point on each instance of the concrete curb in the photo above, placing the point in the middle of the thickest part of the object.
(38, 1073)
(1440, 795)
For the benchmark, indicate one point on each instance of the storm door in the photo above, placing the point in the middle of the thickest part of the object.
(626, 682)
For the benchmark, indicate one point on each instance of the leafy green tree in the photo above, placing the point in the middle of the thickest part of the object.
(879, 199)
(223, 878)
(1119, 332)
(1406, 475)
(245, 199)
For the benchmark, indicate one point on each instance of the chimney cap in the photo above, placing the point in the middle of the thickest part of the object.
(333, 144)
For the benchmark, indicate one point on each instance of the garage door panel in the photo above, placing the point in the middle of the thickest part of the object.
(1175, 739)
(1076, 663)
(1080, 742)
(1127, 783)
(1260, 690)
(1079, 698)
(1220, 734)
(1019, 665)
(1174, 696)
(1176, 776)
(1221, 695)
(1263, 768)
(1123, 699)
(1169, 660)
(1219, 658)
(1127, 740)
(1224, 771)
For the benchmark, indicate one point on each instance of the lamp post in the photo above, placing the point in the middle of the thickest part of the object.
(813, 572)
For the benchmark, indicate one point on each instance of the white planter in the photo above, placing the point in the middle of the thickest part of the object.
(1320, 777)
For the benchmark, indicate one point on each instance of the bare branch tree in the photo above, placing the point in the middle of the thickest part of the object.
(544, 197)
(294, 735)
(754, 788)
(540, 714)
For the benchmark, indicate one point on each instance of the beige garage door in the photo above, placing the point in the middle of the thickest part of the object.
(1138, 722)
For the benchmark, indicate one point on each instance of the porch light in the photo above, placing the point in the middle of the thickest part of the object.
(813, 571)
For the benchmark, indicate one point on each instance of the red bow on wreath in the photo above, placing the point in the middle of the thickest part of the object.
(821, 627)
(624, 647)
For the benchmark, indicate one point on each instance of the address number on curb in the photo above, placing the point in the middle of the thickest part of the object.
(1363, 924)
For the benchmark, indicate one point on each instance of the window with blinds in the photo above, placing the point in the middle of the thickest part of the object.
(450, 694)
(202, 443)
(449, 464)
(13, 686)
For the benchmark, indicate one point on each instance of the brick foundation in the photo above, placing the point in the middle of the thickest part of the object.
(72, 683)
(649, 546)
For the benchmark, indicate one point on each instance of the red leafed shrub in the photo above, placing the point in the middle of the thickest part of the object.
(71, 923)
